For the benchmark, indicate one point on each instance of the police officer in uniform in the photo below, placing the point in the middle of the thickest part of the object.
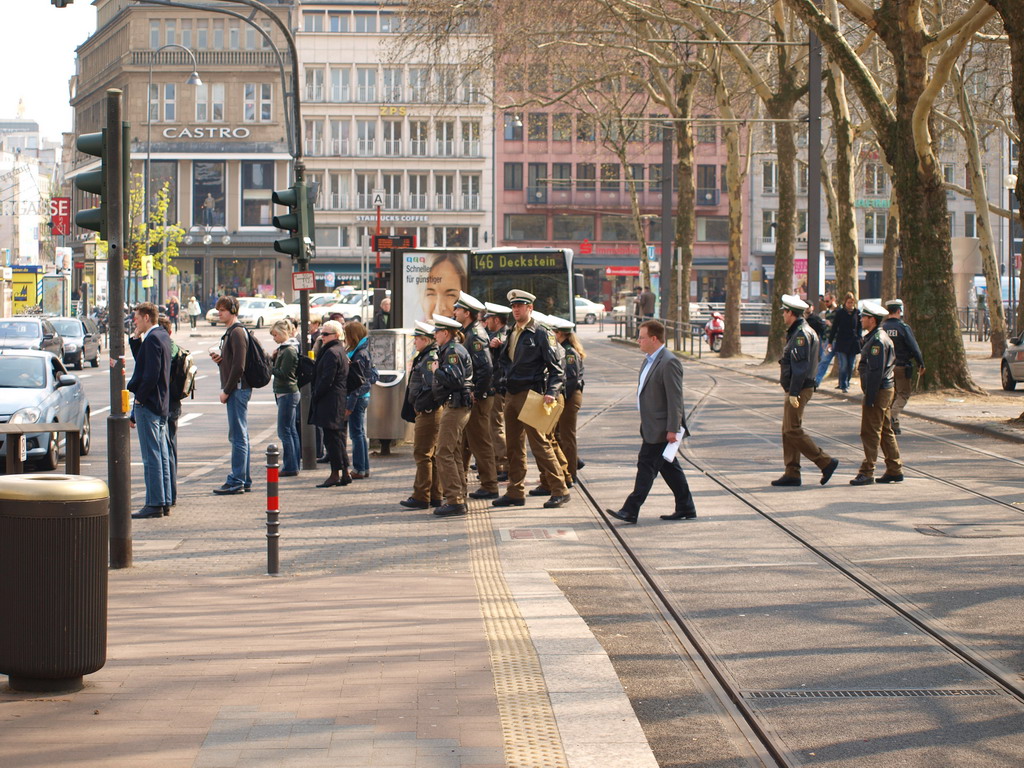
(529, 361)
(907, 351)
(478, 430)
(574, 356)
(426, 490)
(452, 387)
(547, 322)
(496, 324)
(798, 364)
(877, 361)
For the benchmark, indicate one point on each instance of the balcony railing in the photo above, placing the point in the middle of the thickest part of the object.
(445, 148)
(445, 202)
(391, 94)
(471, 202)
(314, 92)
(470, 148)
(340, 147)
(392, 147)
(366, 147)
(177, 57)
(341, 93)
(707, 197)
(418, 147)
(366, 93)
(392, 202)
(417, 202)
(363, 201)
(339, 202)
(314, 147)
(536, 195)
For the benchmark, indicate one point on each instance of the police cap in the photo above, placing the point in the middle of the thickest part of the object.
(560, 323)
(423, 329)
(893, 304)
(468, 302)
(516, 296)
(874, 309)
(541, 319)
(794, 303)
(442, 323)
(491, 309)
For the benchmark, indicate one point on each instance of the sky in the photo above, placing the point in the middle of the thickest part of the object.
(38, 56)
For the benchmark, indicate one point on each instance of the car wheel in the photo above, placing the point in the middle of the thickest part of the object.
(213, 325)
(95, 362)
(1009, 383)
(50, 460)
(85, 436)
(259, 322)
(80, 360)
(590, 319)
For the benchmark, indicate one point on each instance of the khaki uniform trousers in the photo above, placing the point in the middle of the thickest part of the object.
(427, 485)
(875, 430)
(498, 433)
(795, 441)
(565, 431)
(478, 442)
(450, 467)
(516, 435)
(901, 385)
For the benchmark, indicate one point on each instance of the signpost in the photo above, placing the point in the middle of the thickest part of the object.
(303, 281)
(378, 203)
(60, 216)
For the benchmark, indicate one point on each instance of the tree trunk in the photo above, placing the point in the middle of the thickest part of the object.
(891, 250)
(844, 233)
(781, 108)
(686, 86)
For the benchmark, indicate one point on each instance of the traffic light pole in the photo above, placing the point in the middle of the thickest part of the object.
(307, 430)
(119, 472)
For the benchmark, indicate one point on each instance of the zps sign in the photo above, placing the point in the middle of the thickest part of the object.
(60, 215)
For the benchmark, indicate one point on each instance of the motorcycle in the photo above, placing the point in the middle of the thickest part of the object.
(714, 329)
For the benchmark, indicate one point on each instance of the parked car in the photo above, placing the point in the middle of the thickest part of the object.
(82, 340)
(261, 312)
(213, 316)
(1011, 370)
(588, 311)
(30, 333)
(357, 306)
(316, 300)
(35, 387)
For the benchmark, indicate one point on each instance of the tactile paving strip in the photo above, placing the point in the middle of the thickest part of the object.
(528, 723)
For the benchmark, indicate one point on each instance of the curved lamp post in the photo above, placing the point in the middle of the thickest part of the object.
(193, 79)
(1010, 184)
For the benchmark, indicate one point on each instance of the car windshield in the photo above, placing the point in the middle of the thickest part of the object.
(320, 301)
(22, 372)
(352, 298)
(255, 305)
(67, 327)
(18, 329)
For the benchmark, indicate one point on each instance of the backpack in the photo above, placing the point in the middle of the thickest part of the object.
(355, 377)
(305, 370)
(183, 375)
(258, 370)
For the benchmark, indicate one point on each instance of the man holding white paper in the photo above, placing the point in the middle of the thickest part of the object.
(659, 399)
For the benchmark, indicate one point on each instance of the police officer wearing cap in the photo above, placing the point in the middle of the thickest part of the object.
(548, 322)
(798, 364)
(877, 360)
(529, 360)
(496, 325)
(452, 387)
(426, 489)
(478, 429)
(907, 351)
(574, 356)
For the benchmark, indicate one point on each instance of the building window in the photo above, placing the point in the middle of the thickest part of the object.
(513, 176)
(472, 90)
(365, 183)
(706, 178)
(636, 176)
(389, 23)
(418, 191)
(875, 180)
(366, 85)
(393, 191)
(314, 84)
(447, 84)
(208, 194)
(161, 173)
(257, 187)
(210, 103)
(250, 39)
(470, 192)
(234, 36)
(561, 175)
(419, 82)
(537, 123)
(202, 34)
(218, 35)
(803, 177)
(154, 34)
(611, 180)
(948, 173)
(970, 225)
(392, 138)
(154, 102)
(585, 128)
(170, 32)
(874, 227)
(586, 173)
(536, 183)
(658, 130)
(170, 110)
(707, 133)
(768, 219)
(513, 127)
(337, 21)
(561, 127)
(366, 137)
(418, 138)
(314, 137)
(654, 177)
(341, 84)
(444, 188)
(445, 132)
(337, 199)
(520, 226)
(365, 22)
(313, 21)
(617, 228)
(257, 104)
(770, 177)
(712, 229)
(470, 138)
(574, 227)
(340, 137)
(392, 85)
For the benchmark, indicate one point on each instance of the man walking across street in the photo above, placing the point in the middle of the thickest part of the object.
(659, 399)
(877, 360)
(529, 360)
(907, 352)
(798, 364)
(235, 394)
(150, 383)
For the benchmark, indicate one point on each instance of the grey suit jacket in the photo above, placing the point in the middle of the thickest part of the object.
(661, 399)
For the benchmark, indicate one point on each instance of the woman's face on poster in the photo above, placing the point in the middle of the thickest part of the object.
(442, 291)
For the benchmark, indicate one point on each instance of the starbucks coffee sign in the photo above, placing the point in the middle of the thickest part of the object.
(206, 132)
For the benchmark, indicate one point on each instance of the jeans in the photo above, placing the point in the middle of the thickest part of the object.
(826, 361)
(156, 460)
(172, 446)
(357, 435)
(287, 405)
(845, 368)
(238, 436)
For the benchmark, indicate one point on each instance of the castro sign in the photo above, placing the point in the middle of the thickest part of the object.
(206, 132)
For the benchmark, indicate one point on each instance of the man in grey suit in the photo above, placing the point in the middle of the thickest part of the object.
(662, 420)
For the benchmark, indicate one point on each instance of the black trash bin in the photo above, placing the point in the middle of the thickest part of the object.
(53, 580)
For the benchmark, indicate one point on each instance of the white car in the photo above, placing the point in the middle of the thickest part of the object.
(357, 306)
(213, 316)
(261, 312)
(588, 311)
(316, 300)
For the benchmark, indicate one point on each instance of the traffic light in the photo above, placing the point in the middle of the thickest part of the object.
(61, 3)
(295, 221)
(94, 182)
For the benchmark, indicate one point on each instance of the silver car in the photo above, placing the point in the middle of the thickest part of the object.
(35, 387)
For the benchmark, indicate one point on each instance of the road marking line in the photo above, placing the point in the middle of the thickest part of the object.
(187, 418)
(101, 410)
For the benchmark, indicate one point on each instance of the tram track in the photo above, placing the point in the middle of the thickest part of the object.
(769, 748)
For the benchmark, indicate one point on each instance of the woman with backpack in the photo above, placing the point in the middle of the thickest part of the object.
(286, 393)
(327, 403)
(361, 368)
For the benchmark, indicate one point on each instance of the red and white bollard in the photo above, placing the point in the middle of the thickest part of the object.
(273, 536)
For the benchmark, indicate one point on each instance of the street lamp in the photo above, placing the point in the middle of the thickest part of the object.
(193, 79)
(1010, 184)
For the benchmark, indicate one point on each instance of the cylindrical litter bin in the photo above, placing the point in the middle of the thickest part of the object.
(53, 580)
(390, 351)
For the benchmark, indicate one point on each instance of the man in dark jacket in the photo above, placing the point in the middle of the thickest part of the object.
(235, 394)
(426, 490)
(329, 393)
(907, 353)
(478, 428)
(382, 318)
(150, 383)
(877, 360)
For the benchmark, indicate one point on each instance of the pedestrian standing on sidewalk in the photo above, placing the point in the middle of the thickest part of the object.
(358, 345)
(565, 432)
(235, 394)
(797, 379)
(907, 353)
(178, 380)
(877, 361)
(659, 399)
(382, 318)
(827, 352)
(844, 339)
(173, 310)
(496, 325)
(478, 428)
(452, 387)
(194, 311)
(150, 383)
(426, 489)
(286, 393)
(328, 401)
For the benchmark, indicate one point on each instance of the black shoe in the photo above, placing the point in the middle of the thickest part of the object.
(557, 501)
(482, 494)
(167, 510)
(412, 503)
(450, 510)
(247, 489)
(827, 472)
(328, 483)
(540, 490)
(323, 459)
(620, 515)
(228, 490)
(688, 515)
(887, 478)
(580, 463)
(896, 428)
(436, 502)
(147, 512)
(786, 480)
(508, 501)
(288, 473)
(503, 477)
(862, 480)
(346, 479)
